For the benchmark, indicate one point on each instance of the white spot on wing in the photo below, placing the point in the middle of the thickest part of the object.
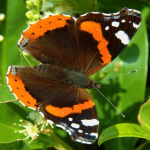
(105, 14)
(123, 20)
(78, 141)
(94, 134)
(135, 25)
(115, 24)
(136, 11)
(90, 122)
(107, 28)
(130, 9)
(95, 12)
(60, 126)
(75, 125)
(69, 132)
(80, 131)
(117, 13)
(70, 119)
(123, 37)
(84, 142)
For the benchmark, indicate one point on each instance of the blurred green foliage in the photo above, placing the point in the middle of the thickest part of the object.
(127, 93)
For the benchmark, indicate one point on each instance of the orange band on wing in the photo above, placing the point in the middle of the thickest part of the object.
(41, 26)
(62, 112)
(102, 44)
(96, 31)
(92, 28)
(18, 88)
(106, 57)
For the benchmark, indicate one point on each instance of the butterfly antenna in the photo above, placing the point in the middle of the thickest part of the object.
(25, 57)
(110, 102)
(118, 75)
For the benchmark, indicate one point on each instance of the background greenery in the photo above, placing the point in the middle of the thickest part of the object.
(128, 93)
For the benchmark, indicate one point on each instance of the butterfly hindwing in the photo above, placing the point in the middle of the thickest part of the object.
(79, 119)
(70, 108)
(30, 87)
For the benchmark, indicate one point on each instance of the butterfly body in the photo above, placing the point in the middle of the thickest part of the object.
(71, 77)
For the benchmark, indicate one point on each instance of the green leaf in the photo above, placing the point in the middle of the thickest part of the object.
(14, 24)
(5, 94)
(17, 145)
(39, 5)
(123, 130)
(79, 5)
(11, 113)
(45, 141)
(141, 146)
(112, 6)
(143, 116)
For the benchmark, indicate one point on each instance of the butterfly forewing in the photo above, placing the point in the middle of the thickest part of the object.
(102, 37)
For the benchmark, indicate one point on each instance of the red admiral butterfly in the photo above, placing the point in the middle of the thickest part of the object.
(70, 50)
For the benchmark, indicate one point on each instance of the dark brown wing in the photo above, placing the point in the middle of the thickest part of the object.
(79, 120)
(31, 88)
(66, 106)
(102, 37)
(52, 40)
(87, 44)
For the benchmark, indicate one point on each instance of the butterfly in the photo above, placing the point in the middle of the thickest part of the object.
(70, 50)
